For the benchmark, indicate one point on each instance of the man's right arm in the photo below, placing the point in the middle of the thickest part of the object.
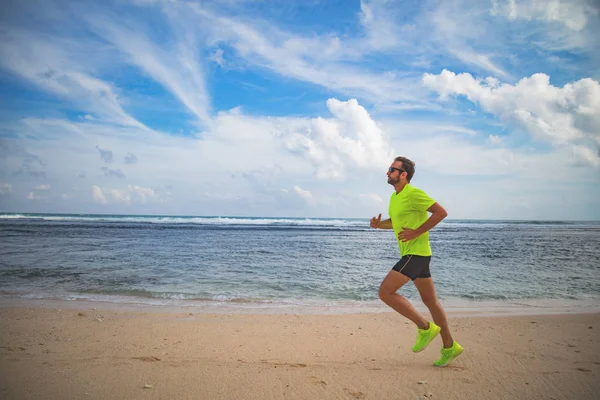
(377, 223)
(386, 224)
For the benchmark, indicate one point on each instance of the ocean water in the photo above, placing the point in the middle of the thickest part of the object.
(276, 262)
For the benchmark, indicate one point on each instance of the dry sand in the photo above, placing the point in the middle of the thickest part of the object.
(81, 353)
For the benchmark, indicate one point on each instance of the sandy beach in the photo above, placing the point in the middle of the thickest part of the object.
(84, 352)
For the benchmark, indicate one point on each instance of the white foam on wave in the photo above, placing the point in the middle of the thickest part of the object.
(454, 307)
(191, 220)
(13, 216)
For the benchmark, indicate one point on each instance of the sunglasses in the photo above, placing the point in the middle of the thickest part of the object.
(391, 170)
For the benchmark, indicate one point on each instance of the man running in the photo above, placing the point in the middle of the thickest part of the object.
(409, 219)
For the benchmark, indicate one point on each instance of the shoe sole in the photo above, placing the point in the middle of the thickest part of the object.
(428, 343)
(450, 360)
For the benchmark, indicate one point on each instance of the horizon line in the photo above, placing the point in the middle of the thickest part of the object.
(274, 217)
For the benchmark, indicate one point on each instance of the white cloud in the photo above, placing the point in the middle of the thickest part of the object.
(587, 155)
(242, 158)
(350, 140)
(5, 188)
(459, 129)
(253, 149)
(119, 195)
(42, 187)
(33, 196)
(573, 14)
(483, 61)
(142, 194)
(304, 194)
(561, 116)
(132, 194)
(98, 195)
(495, 139)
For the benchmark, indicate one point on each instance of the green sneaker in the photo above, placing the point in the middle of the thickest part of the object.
(449, 354)
(425, 336)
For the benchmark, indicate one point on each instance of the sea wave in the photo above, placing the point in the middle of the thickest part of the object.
(258, 221)
(189, 220)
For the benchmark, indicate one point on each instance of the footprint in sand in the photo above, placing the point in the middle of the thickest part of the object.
(293, 365)
(321, 382)
(147, 358)
(355, 394)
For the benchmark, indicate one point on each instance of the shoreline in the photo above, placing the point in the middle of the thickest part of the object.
(453, 307)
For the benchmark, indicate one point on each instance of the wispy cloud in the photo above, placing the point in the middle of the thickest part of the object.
(377, 19)
(555, 25)
(51, 64)
(573, 14)
(319, 60)
(178, 68)
(460, 28)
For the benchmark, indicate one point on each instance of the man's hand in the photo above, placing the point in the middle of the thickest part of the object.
(407, 234)
(376, 222)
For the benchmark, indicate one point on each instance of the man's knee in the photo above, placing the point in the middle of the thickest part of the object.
(430, 301)
(385, 293)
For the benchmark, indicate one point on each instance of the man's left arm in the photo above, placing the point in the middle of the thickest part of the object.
(438, 213)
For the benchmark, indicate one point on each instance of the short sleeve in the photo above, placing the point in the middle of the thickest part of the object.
(419, 200)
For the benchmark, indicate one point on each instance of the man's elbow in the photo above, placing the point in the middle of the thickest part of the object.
(443, 214)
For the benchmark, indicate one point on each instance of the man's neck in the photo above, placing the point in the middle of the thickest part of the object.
(399, 186)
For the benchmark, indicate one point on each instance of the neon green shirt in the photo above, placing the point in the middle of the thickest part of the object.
(408, 209)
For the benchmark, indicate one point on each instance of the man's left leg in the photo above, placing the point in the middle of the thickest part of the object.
(451, 349)
(427, 291)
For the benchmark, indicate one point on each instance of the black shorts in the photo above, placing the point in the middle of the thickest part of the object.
(414, 266)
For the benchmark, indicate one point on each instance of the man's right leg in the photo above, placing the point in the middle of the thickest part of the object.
(387, 293)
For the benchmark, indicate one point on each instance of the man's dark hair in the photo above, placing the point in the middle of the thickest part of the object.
(408, 166)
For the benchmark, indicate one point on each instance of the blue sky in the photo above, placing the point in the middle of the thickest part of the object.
(265, 108)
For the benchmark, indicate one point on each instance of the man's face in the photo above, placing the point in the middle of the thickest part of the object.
(394, 172)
